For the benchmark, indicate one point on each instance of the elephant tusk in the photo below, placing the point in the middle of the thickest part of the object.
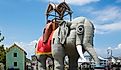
(79, 49)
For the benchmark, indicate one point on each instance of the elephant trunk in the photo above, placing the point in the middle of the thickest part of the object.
(79, 40)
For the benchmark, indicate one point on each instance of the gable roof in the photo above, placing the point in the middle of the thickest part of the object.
(15, 45)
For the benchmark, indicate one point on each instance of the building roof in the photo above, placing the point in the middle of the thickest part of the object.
(101, 58)
(15, 45)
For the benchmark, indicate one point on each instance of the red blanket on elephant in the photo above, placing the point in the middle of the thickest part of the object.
(44, 48)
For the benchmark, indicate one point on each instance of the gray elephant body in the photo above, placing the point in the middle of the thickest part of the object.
(80, 32)
(65, 41)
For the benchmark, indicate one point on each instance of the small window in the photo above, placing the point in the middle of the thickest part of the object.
(15, 63)
(15, 54)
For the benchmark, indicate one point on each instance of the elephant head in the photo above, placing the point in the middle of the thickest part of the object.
(84, 37)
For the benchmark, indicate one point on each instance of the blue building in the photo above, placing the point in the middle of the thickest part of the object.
(15, 58)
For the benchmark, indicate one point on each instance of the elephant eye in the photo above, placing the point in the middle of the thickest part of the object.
(80, 29)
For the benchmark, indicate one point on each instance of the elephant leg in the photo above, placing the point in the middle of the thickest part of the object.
(58, 54)
(41, 62)
(73, 62)
(52, 67)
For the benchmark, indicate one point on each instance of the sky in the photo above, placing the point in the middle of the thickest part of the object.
(22, 22)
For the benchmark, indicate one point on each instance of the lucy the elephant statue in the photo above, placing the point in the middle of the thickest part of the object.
(68, 38)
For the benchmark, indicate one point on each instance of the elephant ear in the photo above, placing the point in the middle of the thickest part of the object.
(63, 31)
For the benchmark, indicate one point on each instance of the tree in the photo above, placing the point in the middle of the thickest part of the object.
(1, 37)
(2, 50)
(2, 54)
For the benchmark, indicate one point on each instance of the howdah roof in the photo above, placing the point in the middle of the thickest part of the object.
(59, 8)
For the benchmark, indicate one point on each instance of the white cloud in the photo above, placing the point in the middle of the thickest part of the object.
(118, 47)
(75, 2)
(102, 29)
(108, 14)
(109, 17)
